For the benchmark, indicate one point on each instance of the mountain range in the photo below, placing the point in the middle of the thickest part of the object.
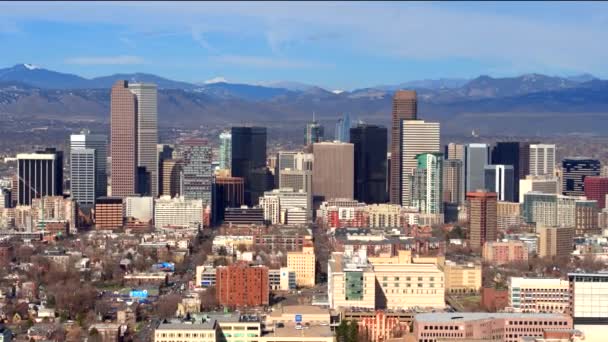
(526, 104)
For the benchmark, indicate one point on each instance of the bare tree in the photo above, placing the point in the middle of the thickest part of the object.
(167, 305)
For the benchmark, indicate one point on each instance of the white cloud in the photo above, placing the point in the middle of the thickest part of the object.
(105, 60)
(218, 79)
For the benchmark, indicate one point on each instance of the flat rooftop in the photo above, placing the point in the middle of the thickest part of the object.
(289, 330)
(446, 317)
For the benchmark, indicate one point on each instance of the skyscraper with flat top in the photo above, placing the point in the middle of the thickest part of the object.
(332, 170)
(88, 159)
(476, 158)
(481, 211)
(542, 159)
(370, 143)
(39, 174)
(418, 137)
(225, 150)
(123, 145)
(405, 107)
(574, 172)
(428, 183)
(500, 179)
(197, 173)
(249, 161)
(147, 132)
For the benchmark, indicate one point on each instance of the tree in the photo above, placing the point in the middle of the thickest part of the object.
(209, 298)
(167, 305)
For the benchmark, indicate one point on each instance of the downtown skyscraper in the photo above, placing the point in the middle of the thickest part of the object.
(418, 136)
(405, 107)
(134, 134)
(427, 183)
(314, 132)
(343, 128)
(88, 159)
(39, 174)
(197, 172)
(225, 150)
(248, 160)
(476, 156)
(513, 153)
(574, 172)
(370, 143)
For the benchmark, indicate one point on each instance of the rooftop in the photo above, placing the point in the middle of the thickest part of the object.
(445, 317)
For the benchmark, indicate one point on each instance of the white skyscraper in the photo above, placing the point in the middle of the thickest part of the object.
(418, 136)
(88, 159)
(542, 159)
(147, 131)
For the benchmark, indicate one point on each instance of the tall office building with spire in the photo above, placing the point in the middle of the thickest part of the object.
(314, 132)
(405, 107)
(343, 128)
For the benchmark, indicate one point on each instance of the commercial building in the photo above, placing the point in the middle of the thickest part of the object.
(278, 202)
(333, 170)
(555, 242)
(139, 208)
(547, 184)
(282, 279)
(481, 211)
(229, 192)
(385, 215)
(405, 107)
(462, 277)
(588, 300)
(248, 153)
(557, 210)
(500, 253)
(481, 326)
(539, 295)
(574, 172)
(542, 159)
(242, 285)
(244, 216)
(427, 183)
(314, 133)
(303, 263)
(455, 151)
(453, 181)
(178, 212)
(39, 174)
(109, 213)
(418, 136)
(171, 177)
(88, 159)
(513, 153)
(476, 157)
(197, 172)
(596, 188)
(370, 148)
(49, 210)
(225, 150)
(501, 180)
(508, 214)
(343, 126)
(147, 134)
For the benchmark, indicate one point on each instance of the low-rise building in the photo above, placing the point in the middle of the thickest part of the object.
(303, 265)
(242, 285)
(539, 295)
(499, 253)
(462, 277)
(282, 279)
(205, 276)
(178, 212)
(555, 241)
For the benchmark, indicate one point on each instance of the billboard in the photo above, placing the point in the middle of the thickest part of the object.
(138, 294)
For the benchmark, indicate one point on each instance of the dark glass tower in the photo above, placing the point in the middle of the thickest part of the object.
(370, 163)
(39, 174)
(574, 172)
(249, 161)
(513, 153)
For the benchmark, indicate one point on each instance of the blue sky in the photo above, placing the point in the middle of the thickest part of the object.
(341, 45)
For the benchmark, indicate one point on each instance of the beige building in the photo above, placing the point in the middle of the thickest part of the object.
(333, 170)
(555, 241)
(539, 295)
(418, 136)
(462, 278)
(384, 215)
(546, 184)
(508, 214)
(303, 264)
(351, 282)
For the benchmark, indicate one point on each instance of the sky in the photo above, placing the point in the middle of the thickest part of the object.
(342, 45)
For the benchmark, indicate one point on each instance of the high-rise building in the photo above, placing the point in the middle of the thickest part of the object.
(229, 192)
(242, 285)
(249, 161)
(139, 208)
(481, 211)
(83, 191)
(123, 144)
(178, 212)
(109, 213)
(333, 170)
(314, 133)
(303, 264)
(588, 302)
(404, 108)
(343, 128)
(513, 153)
(147, 132)
(292, 162)
(500, 179)
(476, 158)
(427, 183)
(39, 174)
(370, 143)
(547, 184)
(542, 159)
(171, 175)
(418, 137)
(574, 171)
(278, 202)
(555, 241)
(453, 181)
(197, 172)
(559, 210)
(225, 150)
(596, 188)
(455, 151)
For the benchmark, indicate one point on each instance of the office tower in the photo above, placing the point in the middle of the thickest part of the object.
(123, 144)
(165, 151)
(147, 132)
(427, 183)
(225, 150)
(476, 158)
(248, 155)
(297, 180)
(542, 159)
(82, 177)
(418, 137)
(109, 213)
(500, 179)
(404, 108)
(547, 184)
(292, 162)
(5, 198)
(229, 192)
(370, 144)
(314, 133)
(39, 174)
(596, 188)
(555, 241)
(343, 129)
(197, 173)
(333, 171)
(453, 181)
(139, 208)
(98, 144)
(455, 151)
(516, 154)
(481, 211)
(171, 177)
(574, 171)
(278, 202)
(588, 308)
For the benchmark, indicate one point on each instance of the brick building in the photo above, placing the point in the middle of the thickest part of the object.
(242, 285)
(108, 213)
(499, 253)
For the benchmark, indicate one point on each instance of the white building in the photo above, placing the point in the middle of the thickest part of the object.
(542, 159)
(139, 208)
(178, 212)
(271, 206)
(225, 150)
(547, 184)
(278, 202)
(418, 137)
(539, 295)
(88, 162)
(281, 279)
